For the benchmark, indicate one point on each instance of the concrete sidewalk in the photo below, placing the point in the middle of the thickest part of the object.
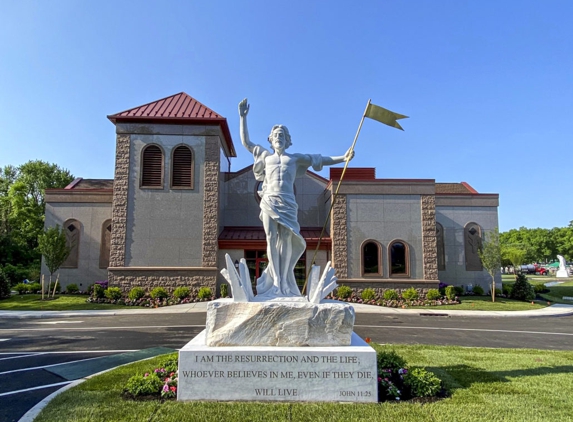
(556, 310)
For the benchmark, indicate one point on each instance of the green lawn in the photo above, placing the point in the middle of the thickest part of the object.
(557, 292)
(485, 385)
(484, 303)
(60, 303)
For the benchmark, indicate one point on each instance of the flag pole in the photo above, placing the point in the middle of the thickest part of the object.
(334, 198)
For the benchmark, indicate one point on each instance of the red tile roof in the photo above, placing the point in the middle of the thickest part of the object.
(176, 109)
(353, 173)
(254, 238)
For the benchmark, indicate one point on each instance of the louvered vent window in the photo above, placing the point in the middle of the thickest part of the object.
(182, 169)
(152, 167)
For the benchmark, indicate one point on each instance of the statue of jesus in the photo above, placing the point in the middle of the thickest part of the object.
(278, 170)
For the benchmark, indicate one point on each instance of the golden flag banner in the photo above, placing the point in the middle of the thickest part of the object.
(384, 116)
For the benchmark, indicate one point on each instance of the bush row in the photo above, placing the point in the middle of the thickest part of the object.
(159, 296)
(395, 299)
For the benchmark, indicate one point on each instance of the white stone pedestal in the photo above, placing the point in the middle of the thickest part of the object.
(334, 374)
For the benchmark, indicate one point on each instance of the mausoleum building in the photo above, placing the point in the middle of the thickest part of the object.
(174, 209)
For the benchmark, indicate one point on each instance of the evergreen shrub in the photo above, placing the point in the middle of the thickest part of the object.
(34, 287)
(140, 385)
(522, 290)
(113, 293)
(204, 293)
(159, 293)
(422, 383)
(368, 294)
(21, 288)
(344, 292)
(51, 287)
(478, 290)
(5, 291)
(433, 294)
(391, 294)
(410, 294)
(506, 289)
(98, 292)
(72, 288)
(136, 293)
(181, 292)
(458, 290)
(450, 292)
(224, 290)
(389, 359)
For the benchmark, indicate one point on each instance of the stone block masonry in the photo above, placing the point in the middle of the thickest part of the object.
(339, 232)
(429, 241)
(329, 374)
(119, 206)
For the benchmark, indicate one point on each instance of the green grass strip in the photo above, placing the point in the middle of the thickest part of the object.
(485, 384)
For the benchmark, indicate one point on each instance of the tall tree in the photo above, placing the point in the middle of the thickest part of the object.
(22, 207)
(490, 255)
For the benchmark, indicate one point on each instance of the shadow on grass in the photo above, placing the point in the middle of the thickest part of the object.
(464, 376)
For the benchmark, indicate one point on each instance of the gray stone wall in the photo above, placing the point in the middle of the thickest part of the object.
(210, 203)
(429, 241)
(119, 208)
(149, 278)
(91, 218)
(453, 219)
(339, 233)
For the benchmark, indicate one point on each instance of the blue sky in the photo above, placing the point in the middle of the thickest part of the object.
(488, 85)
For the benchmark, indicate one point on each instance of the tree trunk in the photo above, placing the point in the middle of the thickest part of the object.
(493, 288)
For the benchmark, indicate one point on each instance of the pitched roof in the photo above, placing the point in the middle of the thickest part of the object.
(454, 188)
(179, 108)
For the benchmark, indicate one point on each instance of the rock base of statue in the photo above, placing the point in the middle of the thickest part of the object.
(278, 323)
(329, 374)
(562, 273)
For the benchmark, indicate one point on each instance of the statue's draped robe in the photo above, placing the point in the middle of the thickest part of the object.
(283, 209)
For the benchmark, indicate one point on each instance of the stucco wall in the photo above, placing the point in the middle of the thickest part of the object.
(240, 206)
(91, 218)
(384, 218)
(454, 219)
(164, 226)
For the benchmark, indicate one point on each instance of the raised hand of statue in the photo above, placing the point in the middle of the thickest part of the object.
(243, 108)
(349, 155)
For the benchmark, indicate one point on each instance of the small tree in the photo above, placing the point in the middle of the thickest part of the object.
(52, 245)
(490, 255)
(517, 256)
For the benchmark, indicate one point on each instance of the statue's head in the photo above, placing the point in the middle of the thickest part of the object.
(274, 132)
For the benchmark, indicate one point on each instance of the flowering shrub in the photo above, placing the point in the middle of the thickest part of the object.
(98, 291)
(391, 294)
(138, 297)
(103, 283)
(161, 382)
(450, 292)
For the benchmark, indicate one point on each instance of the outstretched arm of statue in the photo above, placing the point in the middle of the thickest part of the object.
(243, 111)
(329, 161)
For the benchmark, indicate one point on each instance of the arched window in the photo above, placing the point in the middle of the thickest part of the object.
(399, 256)
(182, 166)
(440, 247)
(105, 245)
(472, 245)
(72, 229)
(152, 167)
(371, 258)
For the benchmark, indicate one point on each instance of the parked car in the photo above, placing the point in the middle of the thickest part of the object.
(534, 269)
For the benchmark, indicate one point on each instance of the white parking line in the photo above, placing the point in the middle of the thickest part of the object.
(46, 366)
(102, 328)
(4, 339)
(58, 322)
(27, 355)
(465, 329)
(34, 388)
